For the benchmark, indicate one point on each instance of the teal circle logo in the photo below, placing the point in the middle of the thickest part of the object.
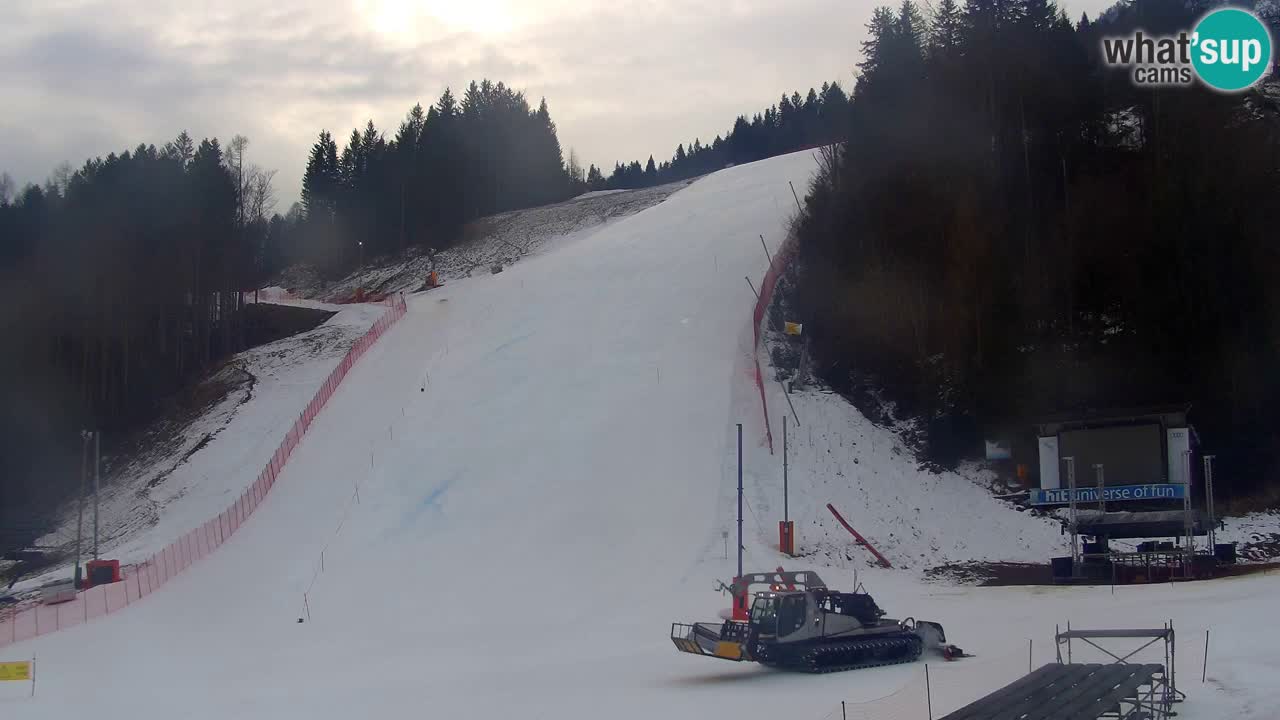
(1231, 49)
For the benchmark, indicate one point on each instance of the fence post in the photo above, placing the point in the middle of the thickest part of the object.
(928, 692)
(1204, 669)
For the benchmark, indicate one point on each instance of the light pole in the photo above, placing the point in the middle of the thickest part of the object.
(1071, 514)
(360, 243)
(1102, 498)
(97, 463)
(84, 470)
(1208, 500)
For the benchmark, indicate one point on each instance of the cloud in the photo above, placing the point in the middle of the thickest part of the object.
(624, 79)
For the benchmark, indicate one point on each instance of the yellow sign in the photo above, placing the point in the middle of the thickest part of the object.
(15, 671)
(794, 328)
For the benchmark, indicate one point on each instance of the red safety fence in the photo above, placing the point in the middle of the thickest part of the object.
(776, 268)
(858, 536)
(142, 579)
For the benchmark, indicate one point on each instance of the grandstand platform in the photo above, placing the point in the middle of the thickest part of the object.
(1078, 692)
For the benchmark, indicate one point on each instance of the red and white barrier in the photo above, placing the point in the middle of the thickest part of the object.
(144, 578)
(776, 268)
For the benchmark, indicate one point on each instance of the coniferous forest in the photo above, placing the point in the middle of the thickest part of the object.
(119, 285)
(458, 160)
(793, 123)
(1014, 230)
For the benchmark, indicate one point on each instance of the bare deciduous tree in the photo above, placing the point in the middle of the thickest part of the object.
(574, 167)
(235, 162)
(259, 194)
(6, 188)
(60, 178)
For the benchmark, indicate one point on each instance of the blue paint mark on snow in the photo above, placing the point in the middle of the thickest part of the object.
(428, 503)
(431, 499)
(512, 341)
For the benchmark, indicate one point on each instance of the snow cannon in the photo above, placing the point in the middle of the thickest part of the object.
(798, 623)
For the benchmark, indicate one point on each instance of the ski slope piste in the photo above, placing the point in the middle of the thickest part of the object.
(546, 466)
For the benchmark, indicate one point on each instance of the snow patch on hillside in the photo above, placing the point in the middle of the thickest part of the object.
(915, 517)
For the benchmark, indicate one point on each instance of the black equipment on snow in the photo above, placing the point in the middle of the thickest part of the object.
(814, 629)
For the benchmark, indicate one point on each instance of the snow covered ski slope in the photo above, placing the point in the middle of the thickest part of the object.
(539, 455)
(544, 462)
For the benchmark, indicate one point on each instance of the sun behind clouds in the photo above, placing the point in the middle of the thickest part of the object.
(404, 21)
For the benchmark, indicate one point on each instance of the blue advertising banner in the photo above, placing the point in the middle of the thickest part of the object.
(1118, 493)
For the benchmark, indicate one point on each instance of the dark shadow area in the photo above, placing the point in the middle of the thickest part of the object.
(265, 323)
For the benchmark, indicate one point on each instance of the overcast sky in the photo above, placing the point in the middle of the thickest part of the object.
(624, 78)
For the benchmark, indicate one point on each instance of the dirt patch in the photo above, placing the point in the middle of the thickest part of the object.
(165, 434)
(1260, 547)
(991, 574)
(1023, 574)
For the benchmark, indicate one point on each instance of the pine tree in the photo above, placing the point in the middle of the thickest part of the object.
(182, 149)
(947, 31)
(446, 105)
(1039, 16)
(881, 32)
(912, 28)
(351, 164)
(321, 179)
(406, 142)
(370, 141)
(595, 179)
